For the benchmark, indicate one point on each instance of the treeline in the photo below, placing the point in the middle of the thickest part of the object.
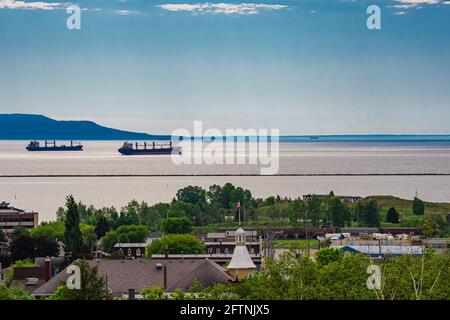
(83, 228)
(219, 205)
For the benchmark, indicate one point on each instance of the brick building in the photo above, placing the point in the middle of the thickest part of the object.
(11, 218)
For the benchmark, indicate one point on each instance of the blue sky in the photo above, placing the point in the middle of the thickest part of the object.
(303, 66)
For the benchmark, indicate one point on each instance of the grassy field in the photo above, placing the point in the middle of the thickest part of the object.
(405, 206)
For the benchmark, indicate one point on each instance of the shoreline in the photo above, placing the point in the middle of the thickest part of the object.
(226, 175)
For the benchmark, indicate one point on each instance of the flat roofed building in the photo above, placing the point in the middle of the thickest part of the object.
(381, 250)
(350, 199)
(11, 218)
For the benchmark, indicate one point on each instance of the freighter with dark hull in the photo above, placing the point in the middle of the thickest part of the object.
(128, 149)
(51, 146)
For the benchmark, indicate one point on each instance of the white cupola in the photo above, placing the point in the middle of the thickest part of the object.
(239, 237)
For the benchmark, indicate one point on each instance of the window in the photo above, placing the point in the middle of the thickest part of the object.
(138, 252)
(226, 250)
(129, 251)
(218, 250)
(121, 251)
(210, 250)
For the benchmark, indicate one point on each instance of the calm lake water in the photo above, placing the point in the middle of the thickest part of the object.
(45, 195)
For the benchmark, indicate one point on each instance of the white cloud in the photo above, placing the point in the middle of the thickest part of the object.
(129, 13)
(223, 8)
(417, 2)
(11, 4)
(413, 4)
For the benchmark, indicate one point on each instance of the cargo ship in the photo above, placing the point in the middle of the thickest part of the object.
(152, 148)
(51, 146)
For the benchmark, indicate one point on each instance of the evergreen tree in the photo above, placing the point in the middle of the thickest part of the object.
(392, 215)
(368, 214)
(373, 214)
(72, 234)
(102, 227)
(418, 207)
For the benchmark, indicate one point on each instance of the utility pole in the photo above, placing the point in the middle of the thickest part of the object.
(306, 230)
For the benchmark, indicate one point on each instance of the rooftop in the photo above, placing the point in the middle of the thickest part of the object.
(137, 274)
(383, 250)
(130, 245)
(241, 259)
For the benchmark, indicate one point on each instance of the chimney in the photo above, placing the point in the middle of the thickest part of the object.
(165, 277)
(131, 294)
(48, 270)
(166, 253)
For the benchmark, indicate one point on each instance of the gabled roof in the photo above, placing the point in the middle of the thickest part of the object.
(137, 274)
(207, 273)
(241, 259)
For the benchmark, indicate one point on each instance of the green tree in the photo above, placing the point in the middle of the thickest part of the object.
(176, 244)
(329, 255)
(93, 286)
(124, 234)
(50, 230)
(337, 212)
(88, 237)
(270, 201)
(16, 293)
(109, 240)
(228, 196)
(392, 215)
(102, 227)
(72, 233)
(368, 213)
(177, 225)
(418, 206)
(192, 194)
(20, 231)
(26, 247)
(154, 293)
(430, 227)
(132, 233)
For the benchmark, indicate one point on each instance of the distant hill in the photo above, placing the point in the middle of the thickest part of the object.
(39, 127)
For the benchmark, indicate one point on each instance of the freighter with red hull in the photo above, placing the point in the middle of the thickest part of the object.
(128, 149)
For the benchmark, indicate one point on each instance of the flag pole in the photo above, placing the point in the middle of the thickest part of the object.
(239, 216)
